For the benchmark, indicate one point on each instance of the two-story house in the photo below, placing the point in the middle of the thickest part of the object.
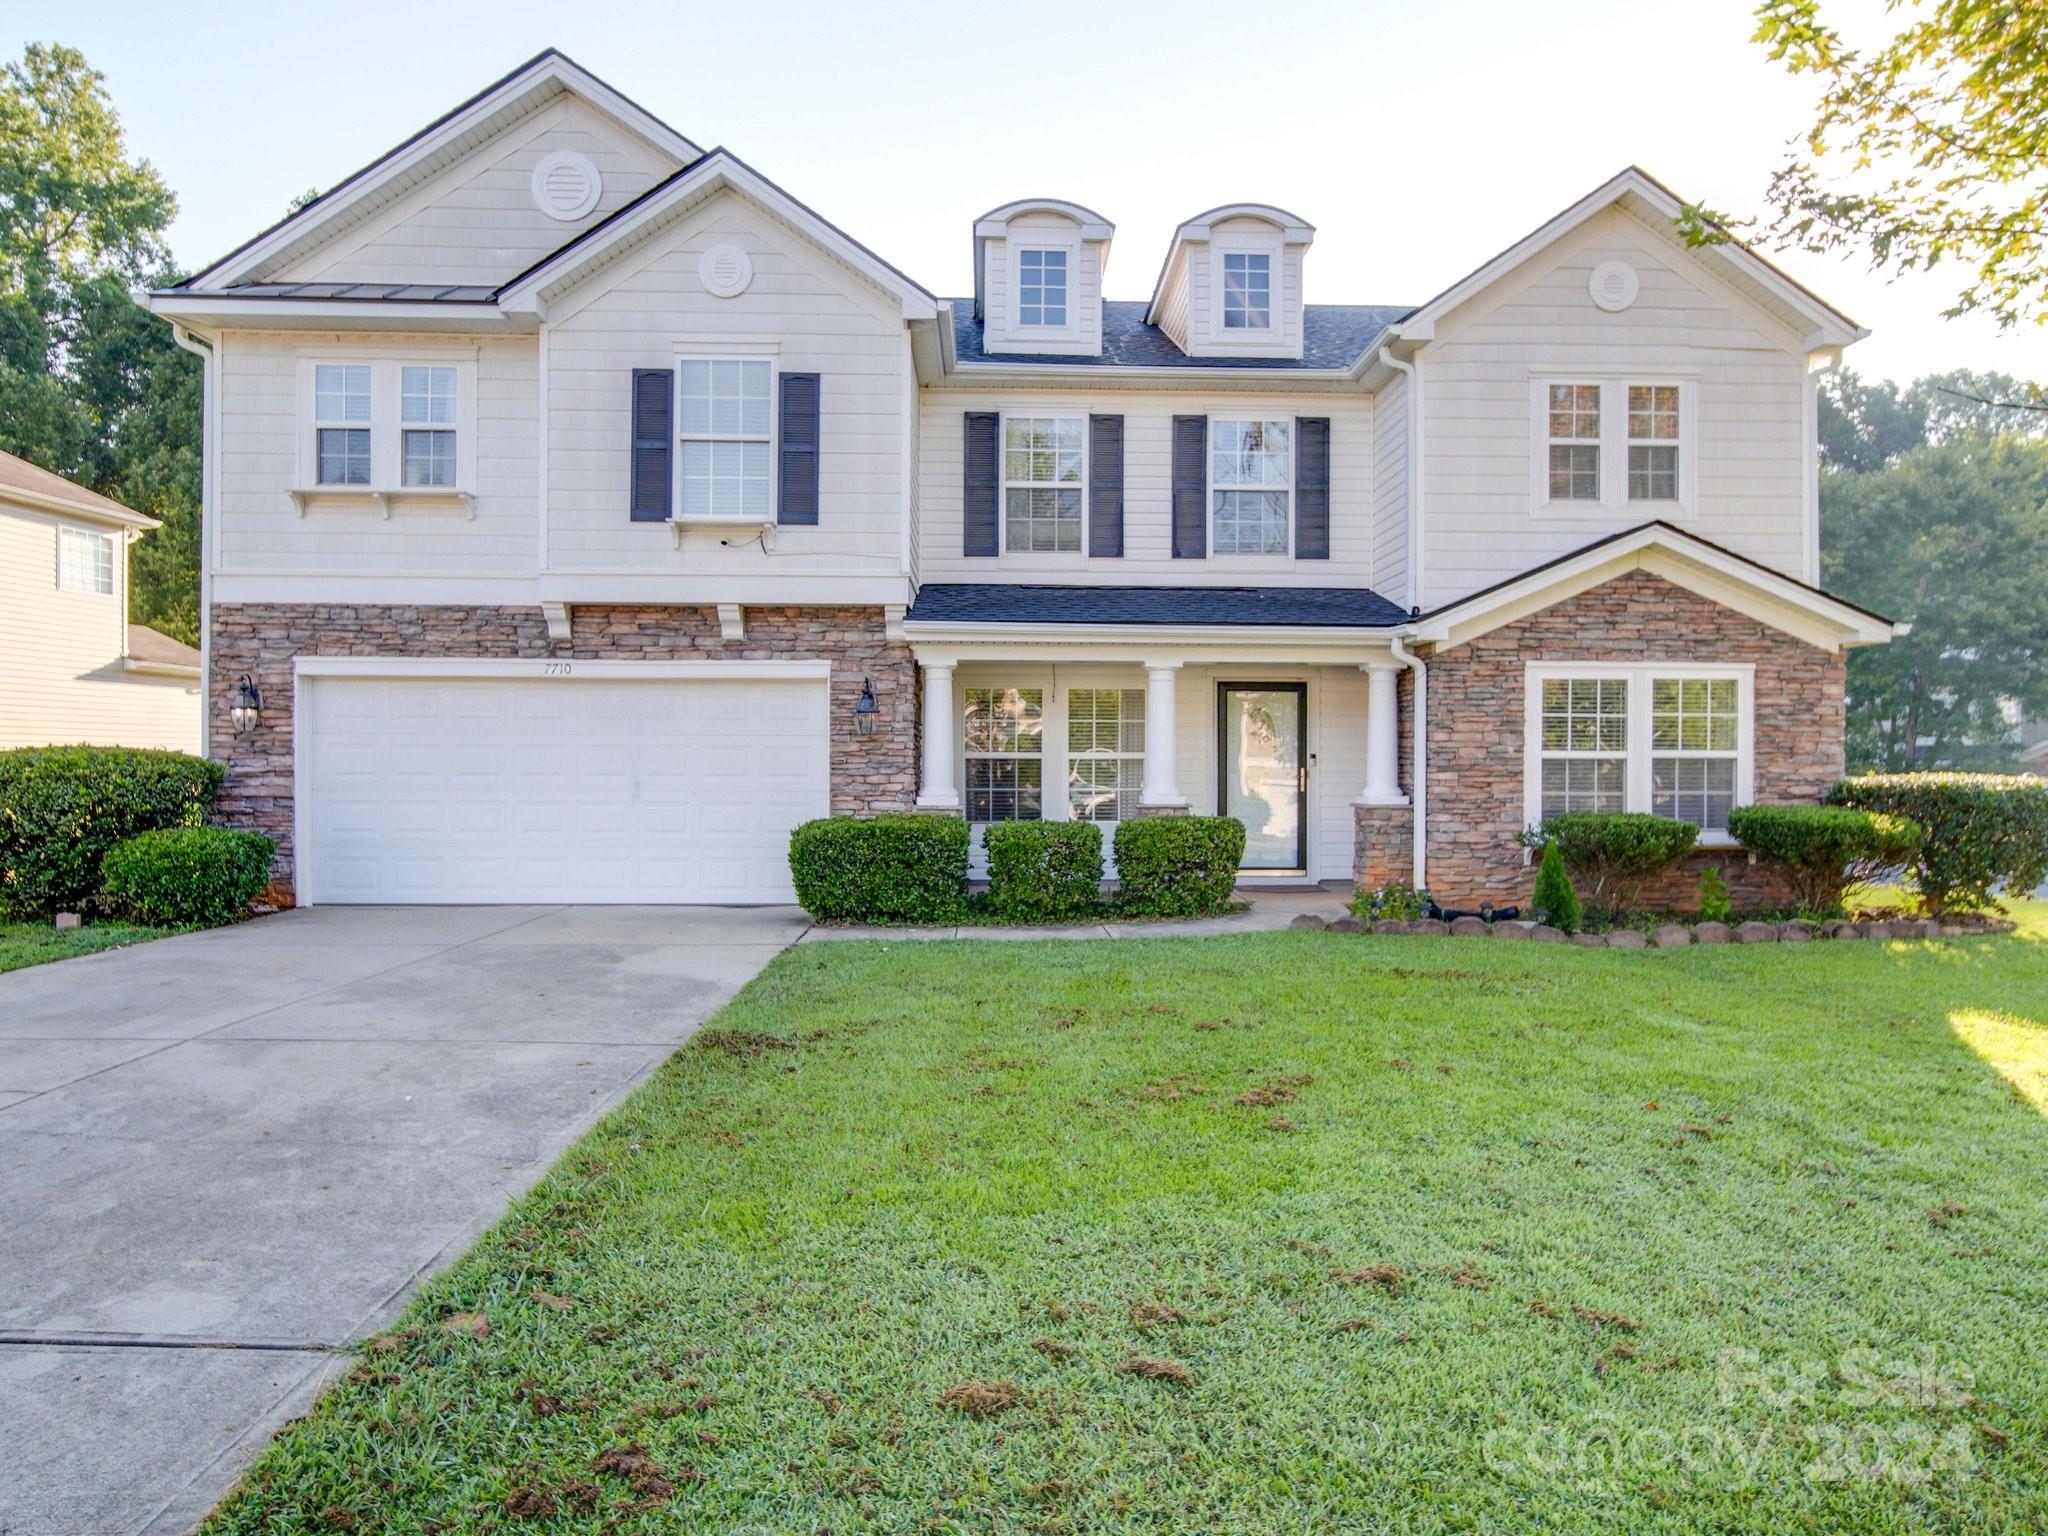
(584, 511)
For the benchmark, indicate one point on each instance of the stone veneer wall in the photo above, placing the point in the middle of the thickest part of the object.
(1476, 696)
(870, 774)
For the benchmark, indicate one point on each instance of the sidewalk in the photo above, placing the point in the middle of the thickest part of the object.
(1269, 910)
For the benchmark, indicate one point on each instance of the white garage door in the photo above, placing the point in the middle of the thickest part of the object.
(535, 788)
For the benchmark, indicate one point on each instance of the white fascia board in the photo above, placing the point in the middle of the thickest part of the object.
(570, 668)
(210, 314)
(57, 506)
(717, 171)
(550, 68)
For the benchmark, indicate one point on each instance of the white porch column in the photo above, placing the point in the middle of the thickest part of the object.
(1162, 788)
(938, 792)
(1382, 736)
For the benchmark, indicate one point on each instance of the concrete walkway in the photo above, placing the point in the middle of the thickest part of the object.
(1266, 911)
(225, 1156)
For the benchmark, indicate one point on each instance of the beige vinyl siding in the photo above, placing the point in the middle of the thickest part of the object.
(1749, 425)
(1390, 491)
(260, 530)
(1204, 329)
(802, 309)
(1085, 299)
(63, 681)
(477, 222)
(1148, 483)
(1173, 304)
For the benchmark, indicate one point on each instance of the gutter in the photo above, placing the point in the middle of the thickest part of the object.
(1418, 768)
(209, 470)
(930, 630)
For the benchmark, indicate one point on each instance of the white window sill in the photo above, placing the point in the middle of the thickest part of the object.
(750, 527)
(1640, 510)
(382, 498)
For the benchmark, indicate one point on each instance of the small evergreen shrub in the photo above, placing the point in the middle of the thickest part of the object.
(1178, 866)
(1397, 901)
(880, 869)
(1555, 901)
(1713, 900)
(1825, 849)
(62, 808)
(1043, 870)
(185, 877)
(1611, 856)
(1982, 831)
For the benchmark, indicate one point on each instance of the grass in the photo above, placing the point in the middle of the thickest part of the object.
(1269, 1233)
(23, 944)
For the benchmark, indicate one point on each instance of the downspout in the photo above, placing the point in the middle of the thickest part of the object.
(1418, 765)
(209, 462)
(1413, 373)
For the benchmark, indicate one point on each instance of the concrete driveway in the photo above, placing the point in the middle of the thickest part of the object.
(225, 1156)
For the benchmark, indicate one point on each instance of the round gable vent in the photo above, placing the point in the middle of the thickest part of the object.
(1614, 285)
(725, 271)
(566, 185)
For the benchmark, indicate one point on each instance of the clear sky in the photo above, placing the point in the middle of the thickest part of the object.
(1419, 139)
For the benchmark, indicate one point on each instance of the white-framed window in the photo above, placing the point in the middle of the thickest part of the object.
(1045, 467)
(426, 426)
(1612, 444)
(1653, 442)
(726, 422)
(1574, 438)
(1668, 738)
(342, 401)
(85, 560)
(1247, 291)
(1105, 753)
(1043, 275)
(1251, 486)
(1004, 733)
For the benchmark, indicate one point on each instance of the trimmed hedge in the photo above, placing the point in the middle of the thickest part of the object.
(881, 869)
(1983, 831)
(1040, 870)
(185, 877)
(63, 808)
(1178, 866)
(1612, 855)
(1825, 849)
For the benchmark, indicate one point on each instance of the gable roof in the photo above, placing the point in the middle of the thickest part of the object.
(455, 132)
(31, 485)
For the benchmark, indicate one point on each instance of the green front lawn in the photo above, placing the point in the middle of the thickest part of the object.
(1277, 1233)
(33, 943)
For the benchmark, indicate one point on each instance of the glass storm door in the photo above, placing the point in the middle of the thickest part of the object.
(1261, 779)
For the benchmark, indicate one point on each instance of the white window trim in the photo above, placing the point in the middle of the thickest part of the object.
(999, 680)
(1263, 560)
(1041, 558)
(1071, 249)
(1614, 445)
(1069, 757)
(773, 439)
(1276, 254)
(386, 485)
(450, 428)
(108, 542)
(342, 424)
(1639, 676)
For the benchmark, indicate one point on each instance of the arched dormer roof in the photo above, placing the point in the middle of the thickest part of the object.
(995, 225)
(1291, 228)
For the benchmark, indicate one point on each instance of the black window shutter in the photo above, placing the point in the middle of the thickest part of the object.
(1106, 486)
(798, 498)
(983, 457)
(1190, 487)
(654, 396)
(1312, 487)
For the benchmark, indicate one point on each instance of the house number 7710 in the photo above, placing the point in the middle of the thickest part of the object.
(555, 668)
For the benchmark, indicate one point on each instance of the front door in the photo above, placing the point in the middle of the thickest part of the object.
(1261, 779)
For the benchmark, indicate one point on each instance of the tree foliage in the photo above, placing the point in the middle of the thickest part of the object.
(1929, 147)
(1867, 424)
(92, 386)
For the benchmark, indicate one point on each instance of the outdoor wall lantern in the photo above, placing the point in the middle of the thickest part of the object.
(245, 711)
(866, 709)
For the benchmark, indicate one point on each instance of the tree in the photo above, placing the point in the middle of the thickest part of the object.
(1931, 147)
(1865, 426)
(1954, 538)
(92, 386)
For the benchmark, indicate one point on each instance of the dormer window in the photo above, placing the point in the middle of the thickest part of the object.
(1247, 291)
(1042, 287)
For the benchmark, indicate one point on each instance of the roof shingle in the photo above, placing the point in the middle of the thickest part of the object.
(1016, 603)
(1333, 336)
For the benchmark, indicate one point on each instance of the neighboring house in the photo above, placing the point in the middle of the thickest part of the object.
(76, 669)
(587, 511)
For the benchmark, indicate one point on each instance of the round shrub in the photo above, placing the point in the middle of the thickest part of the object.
(1983, 831)
(1178, 866)
(1612, 855)
(62, 808)
(185, 877)
(1042, 870)
(1825, 849)
(880, 869)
